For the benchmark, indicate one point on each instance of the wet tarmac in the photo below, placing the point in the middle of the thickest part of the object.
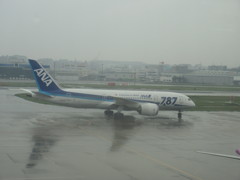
(50, 142)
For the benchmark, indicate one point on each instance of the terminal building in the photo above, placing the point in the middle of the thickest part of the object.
(18, 68)
(14, 67)
(213, 77)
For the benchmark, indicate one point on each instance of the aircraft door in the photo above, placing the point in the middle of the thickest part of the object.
(180, 100)
(155, 98)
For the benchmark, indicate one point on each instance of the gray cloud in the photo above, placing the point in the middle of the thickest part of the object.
(174, 31)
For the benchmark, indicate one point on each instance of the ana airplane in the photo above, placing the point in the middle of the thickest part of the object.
(223, 155)
(144, 102)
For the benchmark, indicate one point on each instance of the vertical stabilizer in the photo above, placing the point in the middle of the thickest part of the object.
(43, 79)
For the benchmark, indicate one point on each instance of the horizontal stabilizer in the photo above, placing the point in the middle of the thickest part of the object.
(34, 93)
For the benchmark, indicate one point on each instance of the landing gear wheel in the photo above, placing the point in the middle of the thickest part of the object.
(108, 113)
(118, 116)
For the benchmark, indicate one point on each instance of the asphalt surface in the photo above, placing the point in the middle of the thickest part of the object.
(50, 142)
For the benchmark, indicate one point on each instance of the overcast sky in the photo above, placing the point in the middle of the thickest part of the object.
(152, 31)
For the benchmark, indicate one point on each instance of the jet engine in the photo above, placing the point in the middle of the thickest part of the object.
(148, 109)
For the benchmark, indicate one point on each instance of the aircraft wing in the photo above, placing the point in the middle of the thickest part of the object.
(221, 155)
(127, 103)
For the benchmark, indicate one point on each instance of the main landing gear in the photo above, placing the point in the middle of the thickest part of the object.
(108, 113)
(179, 116)
(118, 116)
(115, 116)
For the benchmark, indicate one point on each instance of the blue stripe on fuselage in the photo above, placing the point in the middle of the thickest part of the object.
(68, 94)
(78, 95)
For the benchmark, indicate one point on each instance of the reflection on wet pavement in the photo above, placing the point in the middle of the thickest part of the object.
(122, 131)
(49, 142)
(46, 132)
(42, 140)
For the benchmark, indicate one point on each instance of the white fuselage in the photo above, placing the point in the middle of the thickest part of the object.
(165, 100)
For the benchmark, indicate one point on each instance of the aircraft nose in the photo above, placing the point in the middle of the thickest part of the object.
(193, 104)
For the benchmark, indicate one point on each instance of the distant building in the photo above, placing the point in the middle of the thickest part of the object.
(217, 68)
(16, 67)
(166, 78)
(214, 77)
(182, 68)
(236, 80)
(140, 75)
(65, 70)
(119, 76)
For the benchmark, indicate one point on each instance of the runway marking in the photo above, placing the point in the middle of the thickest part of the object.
(162, 163)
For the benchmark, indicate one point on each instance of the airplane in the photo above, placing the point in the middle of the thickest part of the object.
(222, 155)
(146, 103)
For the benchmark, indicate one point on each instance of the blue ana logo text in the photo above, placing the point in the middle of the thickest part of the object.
(146, 96)
(44, 76)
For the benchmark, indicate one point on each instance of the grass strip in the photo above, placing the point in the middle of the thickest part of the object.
(153, 87)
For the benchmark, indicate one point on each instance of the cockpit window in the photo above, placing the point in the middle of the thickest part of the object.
(189, 99)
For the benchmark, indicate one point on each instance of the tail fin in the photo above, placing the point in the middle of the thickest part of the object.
(43, 79)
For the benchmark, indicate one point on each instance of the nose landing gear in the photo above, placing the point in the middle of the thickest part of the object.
(179, 116)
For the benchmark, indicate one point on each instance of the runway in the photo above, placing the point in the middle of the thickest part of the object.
(51, 142)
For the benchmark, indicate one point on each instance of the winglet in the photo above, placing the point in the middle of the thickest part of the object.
(238, 151)
(43, 79)
(220, 155)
